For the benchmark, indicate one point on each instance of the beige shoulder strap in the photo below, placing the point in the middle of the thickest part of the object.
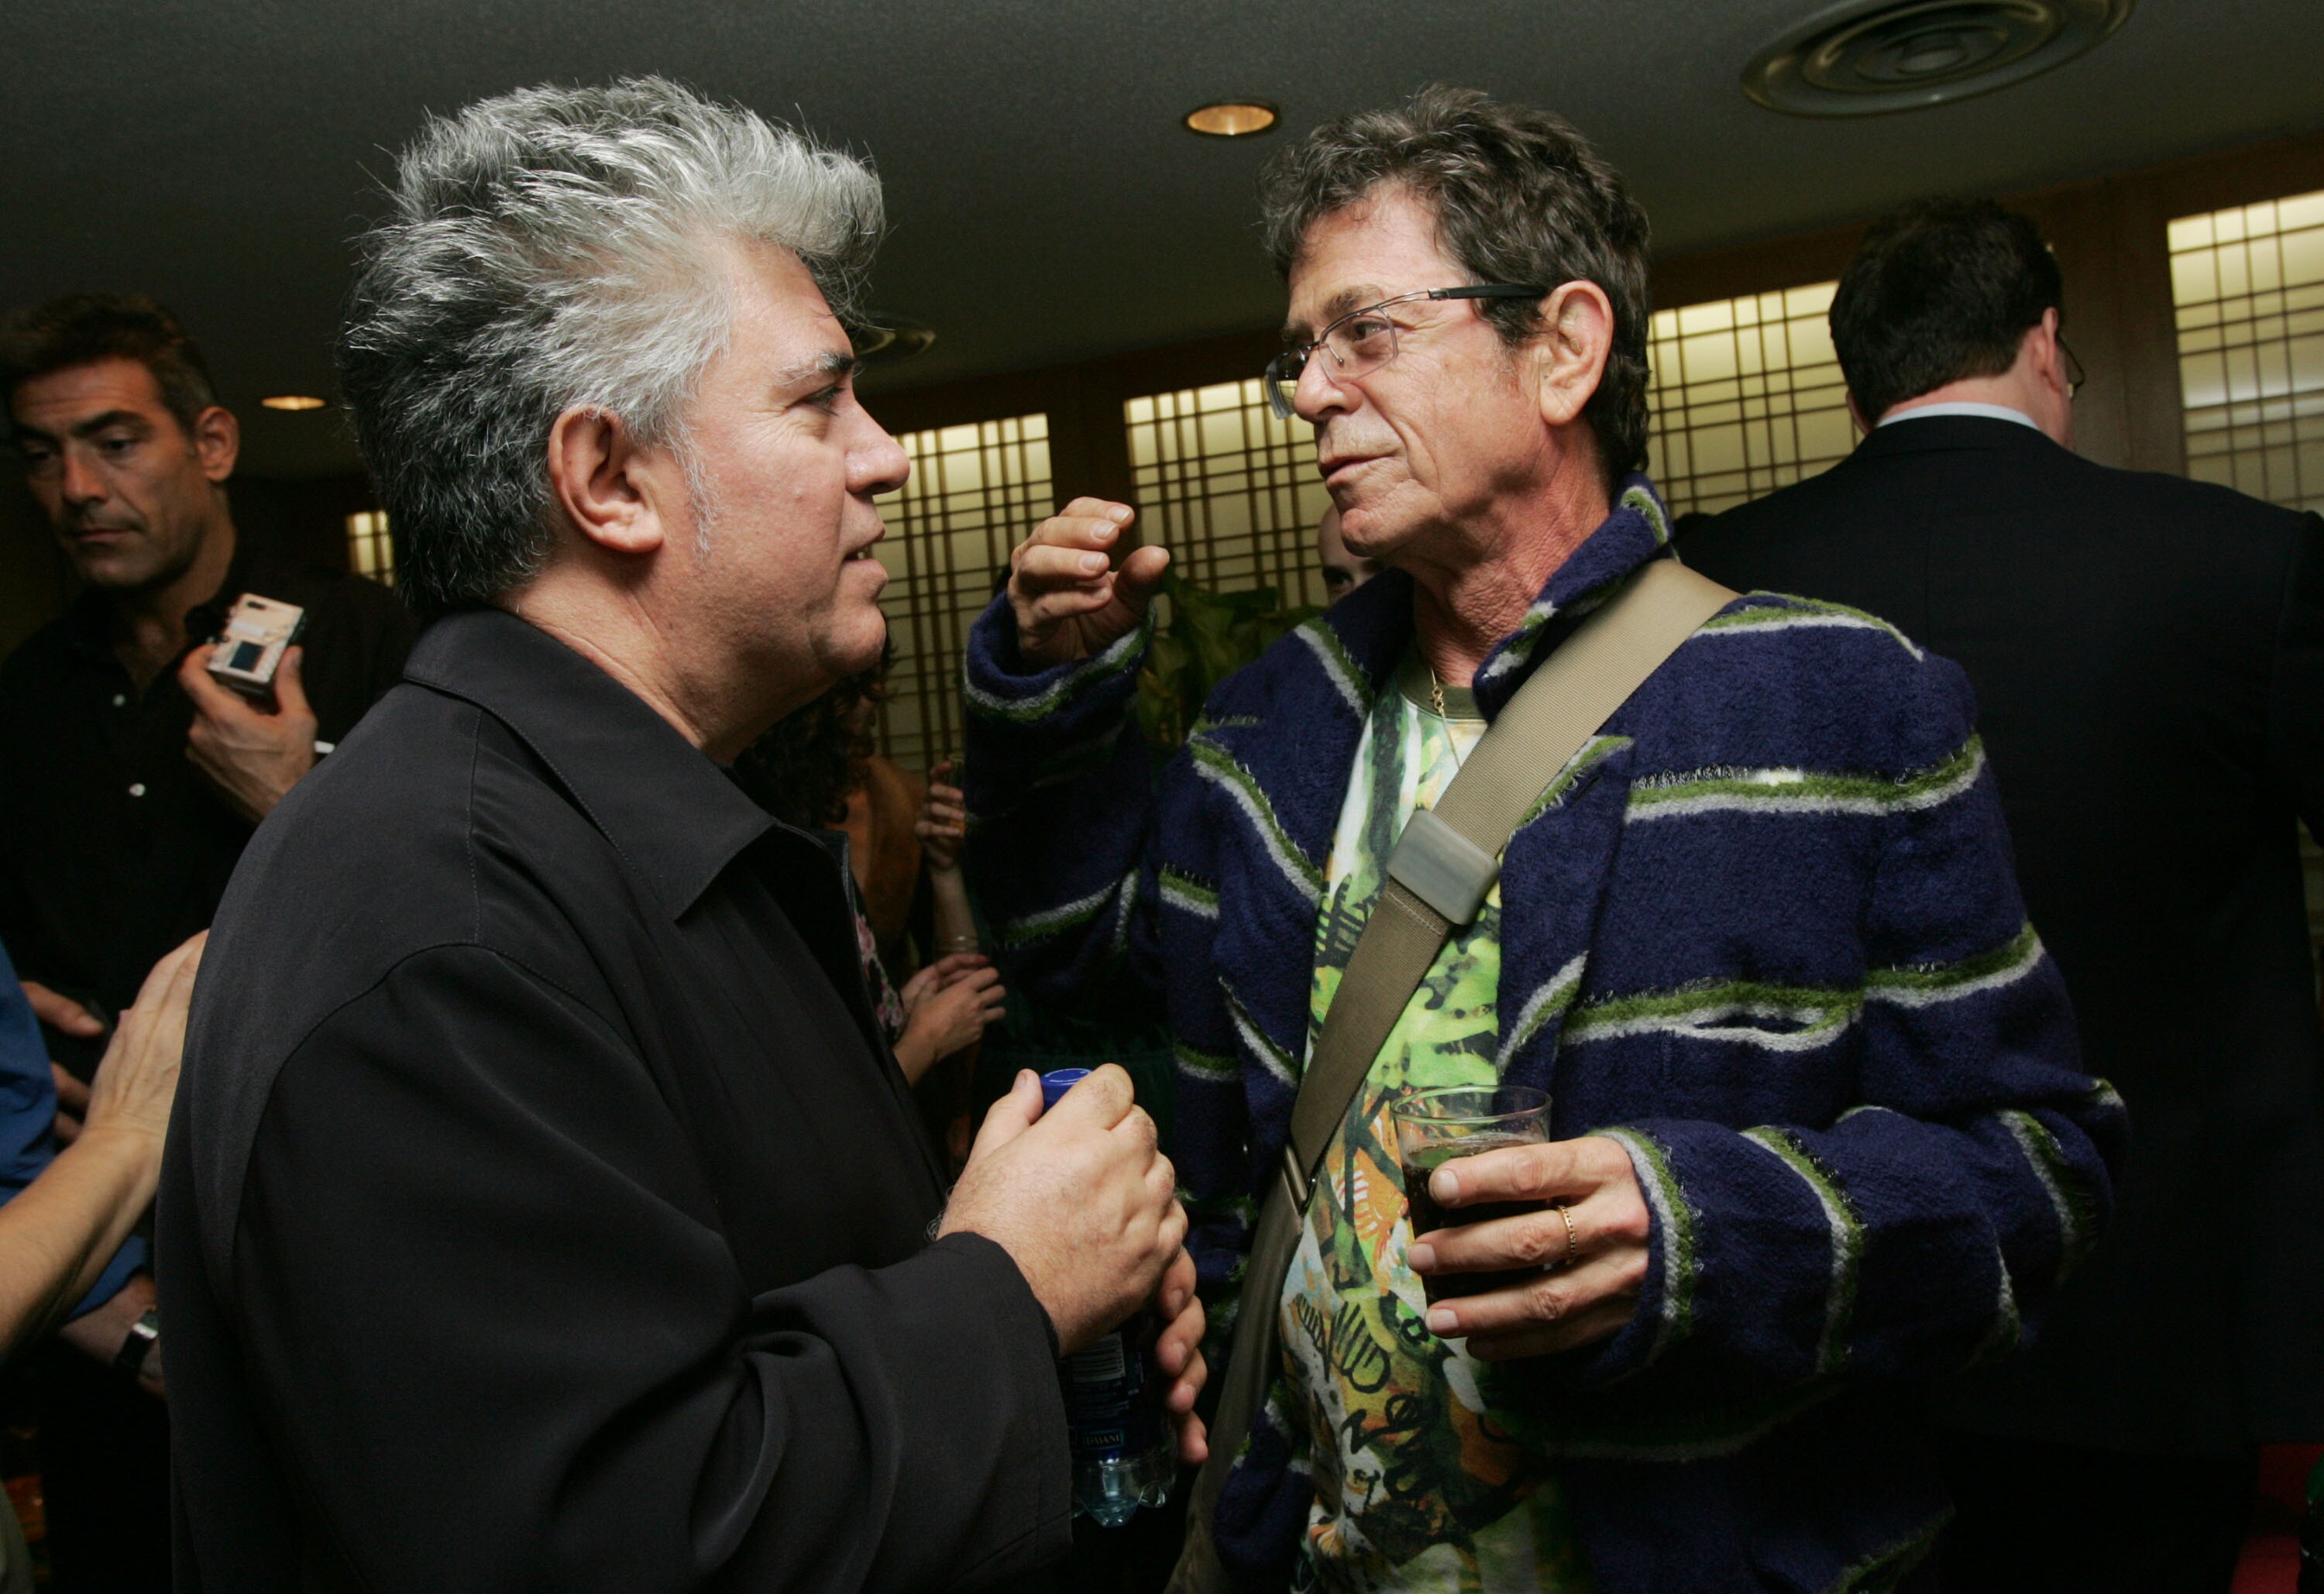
(1442, 866)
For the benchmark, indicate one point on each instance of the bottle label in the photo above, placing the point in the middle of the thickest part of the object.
(1104, 1405)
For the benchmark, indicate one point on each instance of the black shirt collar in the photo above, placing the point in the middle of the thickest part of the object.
(661, 802)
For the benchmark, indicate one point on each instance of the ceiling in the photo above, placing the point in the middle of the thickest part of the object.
(1045, 203)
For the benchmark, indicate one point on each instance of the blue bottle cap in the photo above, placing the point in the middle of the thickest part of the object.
(1056, 1084)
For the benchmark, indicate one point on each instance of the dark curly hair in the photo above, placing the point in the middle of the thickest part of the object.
(802, 770)
(1520, 197)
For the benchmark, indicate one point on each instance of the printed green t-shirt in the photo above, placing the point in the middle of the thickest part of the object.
(1424, 1477)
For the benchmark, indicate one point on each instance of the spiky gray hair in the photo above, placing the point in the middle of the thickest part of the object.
(560, 248)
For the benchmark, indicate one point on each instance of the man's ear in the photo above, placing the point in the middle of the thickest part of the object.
(1856, 414)
(1570, 350)
(600, 480)
(2049, 359)
(217, 442)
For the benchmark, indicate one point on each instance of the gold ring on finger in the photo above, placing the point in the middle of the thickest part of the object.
(1572, 1238)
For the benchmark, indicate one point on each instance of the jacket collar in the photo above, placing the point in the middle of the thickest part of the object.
(670, 812)
(1375, 622)
(1946, 433)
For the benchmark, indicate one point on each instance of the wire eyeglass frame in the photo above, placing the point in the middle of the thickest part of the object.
(1351, 363)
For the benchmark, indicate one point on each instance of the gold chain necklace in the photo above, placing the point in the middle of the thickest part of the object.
(1437, 699)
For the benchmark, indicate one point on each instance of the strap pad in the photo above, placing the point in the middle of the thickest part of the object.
(1443, 868)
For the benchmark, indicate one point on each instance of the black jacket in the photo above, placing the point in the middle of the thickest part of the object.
(541, 1210)
(2148, 656)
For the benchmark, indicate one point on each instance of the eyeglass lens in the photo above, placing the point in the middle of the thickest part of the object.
(1358, 344)
(1362, 341)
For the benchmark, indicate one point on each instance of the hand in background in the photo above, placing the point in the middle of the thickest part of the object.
(942, 821)
(1080, 1197)
(947, 1007)
(253, 756)
(66, 1016)
(72, 1104)
(138, 1078)
(98, 1333)
(61, 1013)
(1069, 600)
(64, 1228)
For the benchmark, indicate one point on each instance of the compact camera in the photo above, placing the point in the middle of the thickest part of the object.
(250, 649)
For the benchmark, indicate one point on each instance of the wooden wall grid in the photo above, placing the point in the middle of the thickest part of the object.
(2108, 232)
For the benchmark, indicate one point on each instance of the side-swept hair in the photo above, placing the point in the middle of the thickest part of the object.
(558, 248)
(1520, 197)
(85, 328)
(1939, 292)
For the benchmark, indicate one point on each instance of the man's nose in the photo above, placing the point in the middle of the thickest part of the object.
(82, 482)
(881, 465)
(1317, 397)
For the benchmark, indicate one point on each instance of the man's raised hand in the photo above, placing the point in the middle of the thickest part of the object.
(1069, 599)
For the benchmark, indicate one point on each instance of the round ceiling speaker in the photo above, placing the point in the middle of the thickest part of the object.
(1860, 60)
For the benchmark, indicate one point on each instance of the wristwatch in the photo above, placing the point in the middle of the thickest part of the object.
(143, 1335)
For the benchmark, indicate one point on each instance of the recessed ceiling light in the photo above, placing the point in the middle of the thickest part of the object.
(292, 402)
(1859, 58)
(1233, 118)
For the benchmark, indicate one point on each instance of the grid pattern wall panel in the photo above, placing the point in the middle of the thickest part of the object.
(2247, 286)
(1747, 397)
(974, 492)
(1229, 490)
(2247, 290)
(369, 552)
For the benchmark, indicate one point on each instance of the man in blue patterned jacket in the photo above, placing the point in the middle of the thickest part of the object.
(1819, 1124)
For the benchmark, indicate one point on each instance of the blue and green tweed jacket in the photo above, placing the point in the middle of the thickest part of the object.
(1762, 930)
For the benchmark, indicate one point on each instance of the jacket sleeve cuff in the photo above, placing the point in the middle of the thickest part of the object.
(1023, 711)
(1739, 1257)
(991, 1329)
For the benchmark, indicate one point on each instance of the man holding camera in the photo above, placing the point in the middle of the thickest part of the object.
(130, 779)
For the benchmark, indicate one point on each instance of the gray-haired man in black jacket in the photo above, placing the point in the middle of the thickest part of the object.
(542, 1209)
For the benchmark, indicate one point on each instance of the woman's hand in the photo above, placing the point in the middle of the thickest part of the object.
(947, 1007)
(942, 821)
(936, 976)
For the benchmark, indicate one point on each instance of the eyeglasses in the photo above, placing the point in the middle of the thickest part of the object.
(1362, 341)
(2074, 377)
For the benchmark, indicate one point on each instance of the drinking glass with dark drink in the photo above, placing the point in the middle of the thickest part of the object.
(1432, 1128)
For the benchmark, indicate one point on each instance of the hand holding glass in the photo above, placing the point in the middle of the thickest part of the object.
(1433, 1128)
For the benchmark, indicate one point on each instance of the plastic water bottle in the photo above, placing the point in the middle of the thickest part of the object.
(1120, 1446)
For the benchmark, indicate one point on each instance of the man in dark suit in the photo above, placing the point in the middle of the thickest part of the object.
(2148, 654)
